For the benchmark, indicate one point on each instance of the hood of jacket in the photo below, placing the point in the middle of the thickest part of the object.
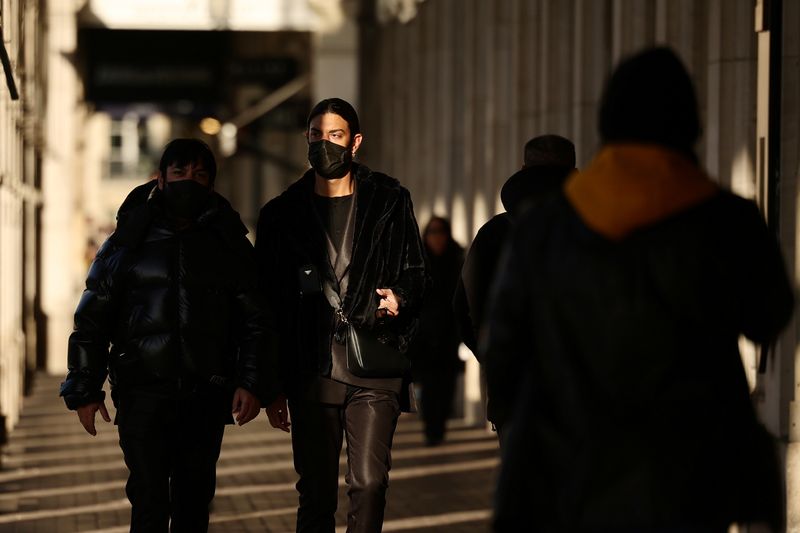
(531, 184)
(633, 185)
(144, 203)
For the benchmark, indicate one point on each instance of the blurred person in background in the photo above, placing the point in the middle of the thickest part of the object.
(547, 161)
(434, 352)
(617, 314)
(340, 249)
(174, 293)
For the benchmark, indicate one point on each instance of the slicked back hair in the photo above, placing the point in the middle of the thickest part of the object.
(339, 107)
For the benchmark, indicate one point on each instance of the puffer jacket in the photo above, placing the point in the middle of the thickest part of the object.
(173, 304)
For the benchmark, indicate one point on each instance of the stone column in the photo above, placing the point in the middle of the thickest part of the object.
(408, 157)
(528, 73)
(428, 101)
(504, 156)
(683, 25)
(63, 238)
(787, 349)
(12, 193)
(730, 119)
(445, 110)
(466, 110)
(633, 27)
(591, 64)
(482, 71)
(335, 57)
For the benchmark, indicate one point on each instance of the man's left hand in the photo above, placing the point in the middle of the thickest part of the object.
(389, 303)
(245, 406)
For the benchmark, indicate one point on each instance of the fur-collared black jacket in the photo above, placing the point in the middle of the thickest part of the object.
(387, 253)
(172, 304)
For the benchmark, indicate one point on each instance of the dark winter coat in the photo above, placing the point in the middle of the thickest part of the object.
(173, 304)
(614, 335)
(387, 253)
(436, 343)
(470, 302)
(472, 289)
(519, 192)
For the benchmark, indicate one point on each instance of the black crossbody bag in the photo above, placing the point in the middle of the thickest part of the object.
(369, 354)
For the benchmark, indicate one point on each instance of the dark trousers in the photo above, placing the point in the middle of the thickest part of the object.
(502, 435)
(171, 443)
(438, 391)
(367, 419)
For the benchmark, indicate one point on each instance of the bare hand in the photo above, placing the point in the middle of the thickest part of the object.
(389, 304)
(86, 415)
(278, 414)
(245, 406)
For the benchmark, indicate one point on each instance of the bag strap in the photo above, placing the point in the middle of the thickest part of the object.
(333, 297)
(339, 261)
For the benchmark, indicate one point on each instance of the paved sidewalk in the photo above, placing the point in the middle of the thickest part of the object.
(56, 478)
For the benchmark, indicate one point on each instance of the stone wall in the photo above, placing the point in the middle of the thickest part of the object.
(20, 200)
(449, 98)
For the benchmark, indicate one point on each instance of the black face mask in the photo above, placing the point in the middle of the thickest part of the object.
(330, 160)
(185, 198)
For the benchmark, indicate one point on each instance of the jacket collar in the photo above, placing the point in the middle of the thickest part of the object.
(630, 185)
(376, 196)
(135, 217)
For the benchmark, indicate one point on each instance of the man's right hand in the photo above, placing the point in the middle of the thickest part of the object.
(86, 415)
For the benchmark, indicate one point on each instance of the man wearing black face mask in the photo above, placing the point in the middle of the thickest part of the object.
(330, 160)
(174, 292)
(340, 248)
(185, 199)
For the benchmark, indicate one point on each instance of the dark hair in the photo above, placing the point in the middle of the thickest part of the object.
(549, 151)
(181, 152)
(338, 107)
(650, 98)
(443, 221)
(448, 230)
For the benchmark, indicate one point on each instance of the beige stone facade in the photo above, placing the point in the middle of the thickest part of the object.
(21, 111)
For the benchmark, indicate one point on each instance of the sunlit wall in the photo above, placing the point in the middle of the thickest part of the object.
(21, 109)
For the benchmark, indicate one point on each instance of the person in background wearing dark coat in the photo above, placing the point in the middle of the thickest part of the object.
(619, 306)
(548, 160)
(341, 246)
(174, 292)
(434, 352)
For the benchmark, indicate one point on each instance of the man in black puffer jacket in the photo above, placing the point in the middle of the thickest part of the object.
(174, 292)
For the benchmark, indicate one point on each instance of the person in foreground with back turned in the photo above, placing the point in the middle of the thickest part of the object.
(618, 307)
(340, 254)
